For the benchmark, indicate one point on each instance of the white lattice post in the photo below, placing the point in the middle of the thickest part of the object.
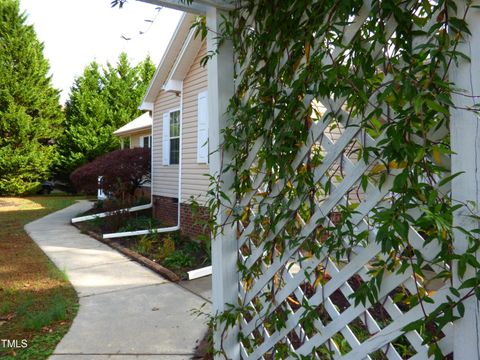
(224, 246)
(465, 142)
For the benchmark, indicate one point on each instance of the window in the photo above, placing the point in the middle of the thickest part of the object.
(146, 141)
(171, 138)
(174, 137)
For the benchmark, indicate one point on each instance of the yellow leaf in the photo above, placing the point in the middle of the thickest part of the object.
(318, 280)
(437, 155)
(245, 215)
(377, 169)
(293, 300)
(307, 52)
(395, 165)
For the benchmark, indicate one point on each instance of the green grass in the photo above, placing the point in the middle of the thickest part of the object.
(56, 311)
(35, 296)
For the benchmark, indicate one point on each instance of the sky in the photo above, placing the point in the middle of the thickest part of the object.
(76, 32)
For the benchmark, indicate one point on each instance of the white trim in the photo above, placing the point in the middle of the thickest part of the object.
(180, 153)
(198, 7)
(174, 86)
(179, 5)
(179, 136)
(198, 273)
(142, 142)
(186, 57)
(146, 106)
(202, 127)
(166, 139)
(224, 246)
(169, 57)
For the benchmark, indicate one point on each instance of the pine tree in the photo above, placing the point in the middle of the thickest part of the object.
(101, 101)
(30, 114)
(87, 133)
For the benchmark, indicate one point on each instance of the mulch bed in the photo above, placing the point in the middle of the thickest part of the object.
(170, 275)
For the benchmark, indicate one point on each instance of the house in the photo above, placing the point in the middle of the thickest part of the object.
(136, 133)
(177, 97)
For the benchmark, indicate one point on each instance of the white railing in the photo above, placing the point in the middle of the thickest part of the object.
(368, 331)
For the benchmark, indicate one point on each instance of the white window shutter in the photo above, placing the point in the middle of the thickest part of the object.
(166, 139)
(202, 128)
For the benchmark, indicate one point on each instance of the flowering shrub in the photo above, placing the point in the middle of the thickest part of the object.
(123, 172)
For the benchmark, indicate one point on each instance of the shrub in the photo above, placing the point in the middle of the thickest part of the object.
(123, 172)
(178, 260)
(167, 248)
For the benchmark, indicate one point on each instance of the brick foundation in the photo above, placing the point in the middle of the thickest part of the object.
(189, 223)
(165, 209)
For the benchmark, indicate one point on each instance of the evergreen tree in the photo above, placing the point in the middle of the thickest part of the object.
(87, 134)
(30, 114)
(101, 101)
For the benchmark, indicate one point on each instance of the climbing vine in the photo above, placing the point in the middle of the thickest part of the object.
(339, 133)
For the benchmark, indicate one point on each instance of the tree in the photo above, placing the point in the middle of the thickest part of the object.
(123, 171)
(30, 113)
(101, 101)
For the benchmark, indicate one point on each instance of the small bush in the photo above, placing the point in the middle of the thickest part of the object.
(178, 260)
(145, 244)
(167, 248)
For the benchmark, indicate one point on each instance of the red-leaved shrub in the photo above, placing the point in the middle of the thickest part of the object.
(123, 171)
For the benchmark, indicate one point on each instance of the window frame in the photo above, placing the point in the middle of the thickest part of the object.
(179, 123)
(149, 141)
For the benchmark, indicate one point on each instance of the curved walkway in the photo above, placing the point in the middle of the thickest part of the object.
(126, 311)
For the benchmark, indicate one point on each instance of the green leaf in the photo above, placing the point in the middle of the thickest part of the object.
(437, 107)
(461, 309)
(449, 178)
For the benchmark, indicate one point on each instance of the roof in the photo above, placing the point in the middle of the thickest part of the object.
(143, 122)
(176, 61)
(198, 7)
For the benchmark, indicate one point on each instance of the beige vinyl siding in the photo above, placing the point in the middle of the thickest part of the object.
(164, 178)
(194, 182)
(135, 138)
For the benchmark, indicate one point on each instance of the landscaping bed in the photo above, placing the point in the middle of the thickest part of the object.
(37, 302)
(171, 254)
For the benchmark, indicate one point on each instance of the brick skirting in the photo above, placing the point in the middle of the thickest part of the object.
(165, 209)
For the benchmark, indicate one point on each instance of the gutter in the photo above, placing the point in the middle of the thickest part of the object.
(164, 229)
(108, 213)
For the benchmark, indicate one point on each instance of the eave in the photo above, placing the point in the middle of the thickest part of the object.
(198, 7)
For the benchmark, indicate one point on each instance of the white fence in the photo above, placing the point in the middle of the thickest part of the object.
(290, 286)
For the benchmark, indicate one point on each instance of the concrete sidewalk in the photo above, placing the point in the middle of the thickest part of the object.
(126, 311)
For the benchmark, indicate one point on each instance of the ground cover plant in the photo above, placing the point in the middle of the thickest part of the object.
(174, 251)
(37, 303)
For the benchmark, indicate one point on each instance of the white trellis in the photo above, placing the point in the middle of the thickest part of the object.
(373, 331)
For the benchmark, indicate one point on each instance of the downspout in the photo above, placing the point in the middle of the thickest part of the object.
(164, 229)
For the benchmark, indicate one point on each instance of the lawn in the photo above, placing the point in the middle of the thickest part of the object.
(37, 302)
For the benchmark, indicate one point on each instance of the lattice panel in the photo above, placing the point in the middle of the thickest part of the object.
(300, 301)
